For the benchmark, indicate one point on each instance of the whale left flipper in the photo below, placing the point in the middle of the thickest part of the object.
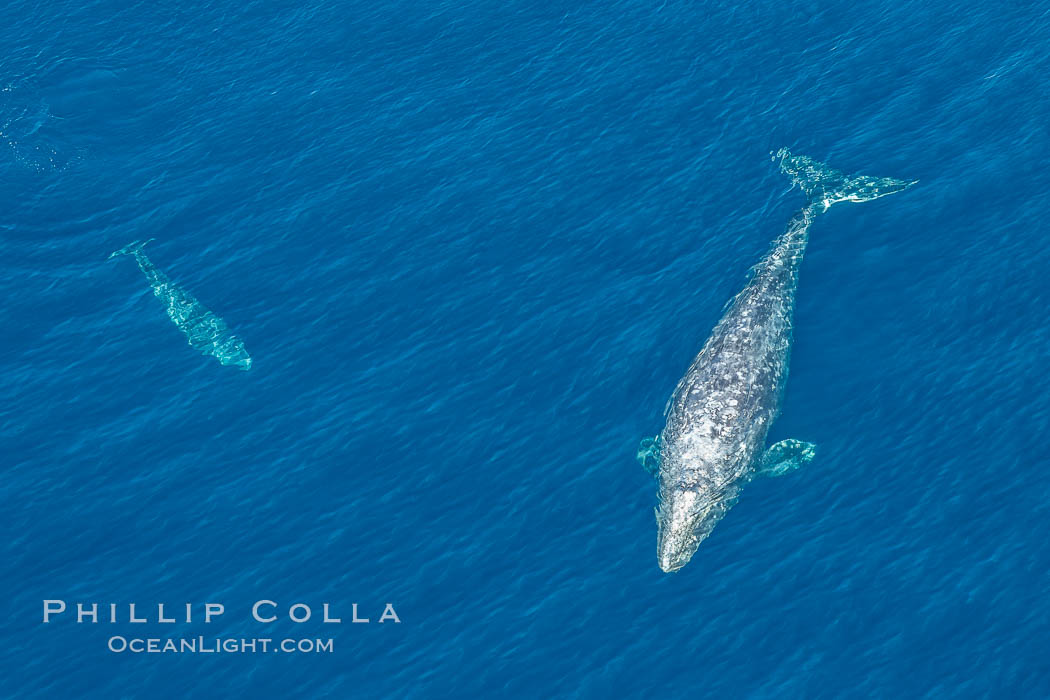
(649, 455)
(786, 456)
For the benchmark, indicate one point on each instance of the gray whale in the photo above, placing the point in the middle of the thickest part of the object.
(714, 440)
(203, 329)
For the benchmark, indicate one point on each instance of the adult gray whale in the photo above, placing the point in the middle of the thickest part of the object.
(719, 414)
(205, 330)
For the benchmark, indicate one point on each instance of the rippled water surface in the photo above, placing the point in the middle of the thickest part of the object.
(471, 248)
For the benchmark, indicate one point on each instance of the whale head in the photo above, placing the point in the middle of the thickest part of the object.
(684, 520)
(234, 353)
(241, 360)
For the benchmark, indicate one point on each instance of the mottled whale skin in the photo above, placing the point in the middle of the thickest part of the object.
(204, 330)
(714, 440)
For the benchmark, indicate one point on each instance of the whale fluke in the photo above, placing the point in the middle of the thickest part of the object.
(825, 185)
(130, 249)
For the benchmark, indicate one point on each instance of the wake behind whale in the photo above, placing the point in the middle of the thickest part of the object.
(717, 419)
(204, 330)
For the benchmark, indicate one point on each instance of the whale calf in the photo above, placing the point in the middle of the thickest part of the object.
(717, 419)
(205, 330)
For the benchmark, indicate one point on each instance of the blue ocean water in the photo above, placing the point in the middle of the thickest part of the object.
(471, 248)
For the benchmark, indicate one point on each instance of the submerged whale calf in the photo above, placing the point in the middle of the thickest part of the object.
(719, 414)
(205, 330)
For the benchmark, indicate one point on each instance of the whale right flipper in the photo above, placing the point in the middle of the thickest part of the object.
(786, 456)
(649, 455)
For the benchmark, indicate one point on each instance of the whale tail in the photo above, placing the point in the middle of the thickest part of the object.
(826, 186)
(130, 249)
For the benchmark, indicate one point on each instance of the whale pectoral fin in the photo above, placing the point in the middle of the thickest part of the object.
(649, 455)
(786, 456)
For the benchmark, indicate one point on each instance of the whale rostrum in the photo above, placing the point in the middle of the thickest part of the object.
(713, 442)
(204, 330)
